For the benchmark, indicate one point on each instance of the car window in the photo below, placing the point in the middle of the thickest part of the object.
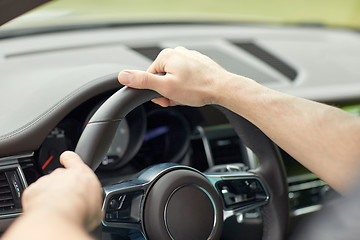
(336, 13)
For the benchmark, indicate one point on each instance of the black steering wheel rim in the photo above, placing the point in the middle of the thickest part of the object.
(99, 132)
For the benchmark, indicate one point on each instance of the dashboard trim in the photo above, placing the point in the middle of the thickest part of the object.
(207, 148)
(307, 210)
(13, 158)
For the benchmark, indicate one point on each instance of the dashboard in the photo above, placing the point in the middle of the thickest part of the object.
(45, 106)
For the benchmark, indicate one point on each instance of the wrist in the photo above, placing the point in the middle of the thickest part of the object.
(220, 88)
(50, 225)
(51, 213)
(232, 90)
(240, 94)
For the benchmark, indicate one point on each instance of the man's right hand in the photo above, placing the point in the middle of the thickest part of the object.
(190, 78)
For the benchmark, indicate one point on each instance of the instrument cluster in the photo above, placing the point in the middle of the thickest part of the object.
(147, 136)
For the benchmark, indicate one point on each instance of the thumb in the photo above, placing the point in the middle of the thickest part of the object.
(140, 79)
(71, 160)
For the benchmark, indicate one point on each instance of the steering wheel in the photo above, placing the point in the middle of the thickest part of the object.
(171, 201)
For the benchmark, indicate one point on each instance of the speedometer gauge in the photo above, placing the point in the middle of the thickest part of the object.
(50, 151)
(63, 137)
(118, 146)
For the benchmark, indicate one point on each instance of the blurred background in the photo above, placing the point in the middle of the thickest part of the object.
(334, 13)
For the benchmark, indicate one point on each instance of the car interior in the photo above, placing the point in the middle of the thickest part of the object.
(59, 85)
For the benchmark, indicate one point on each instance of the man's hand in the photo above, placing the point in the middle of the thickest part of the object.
(190, 78)
(73, 193)
(65, 204)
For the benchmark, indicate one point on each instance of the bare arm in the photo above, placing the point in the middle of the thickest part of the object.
(322, 138)
(63, 205)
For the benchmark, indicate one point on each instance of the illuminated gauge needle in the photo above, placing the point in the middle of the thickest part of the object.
(47, 162)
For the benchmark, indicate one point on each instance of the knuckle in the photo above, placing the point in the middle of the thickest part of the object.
(180, 48)
(143, 79)
(167, 52)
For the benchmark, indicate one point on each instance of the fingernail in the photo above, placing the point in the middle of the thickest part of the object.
(125, 77)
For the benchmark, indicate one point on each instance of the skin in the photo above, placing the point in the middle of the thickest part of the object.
(322, 138)
(58, 206)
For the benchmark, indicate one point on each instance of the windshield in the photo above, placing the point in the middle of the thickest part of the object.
(334, 13)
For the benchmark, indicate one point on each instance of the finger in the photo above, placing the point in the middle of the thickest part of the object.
(71, 160)
(159, 64)
(163, 102)
(141, 80)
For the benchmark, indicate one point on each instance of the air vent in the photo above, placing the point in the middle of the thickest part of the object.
(269, 59)
(6, 199)
(149, 52)
(11, 189)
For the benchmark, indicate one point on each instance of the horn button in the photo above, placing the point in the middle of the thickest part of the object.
(182, 204)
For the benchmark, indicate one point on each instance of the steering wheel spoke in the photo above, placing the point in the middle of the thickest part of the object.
(122, 204)
(239, 191)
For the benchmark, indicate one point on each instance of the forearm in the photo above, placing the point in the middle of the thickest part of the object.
(45, 225)
(322, 138)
